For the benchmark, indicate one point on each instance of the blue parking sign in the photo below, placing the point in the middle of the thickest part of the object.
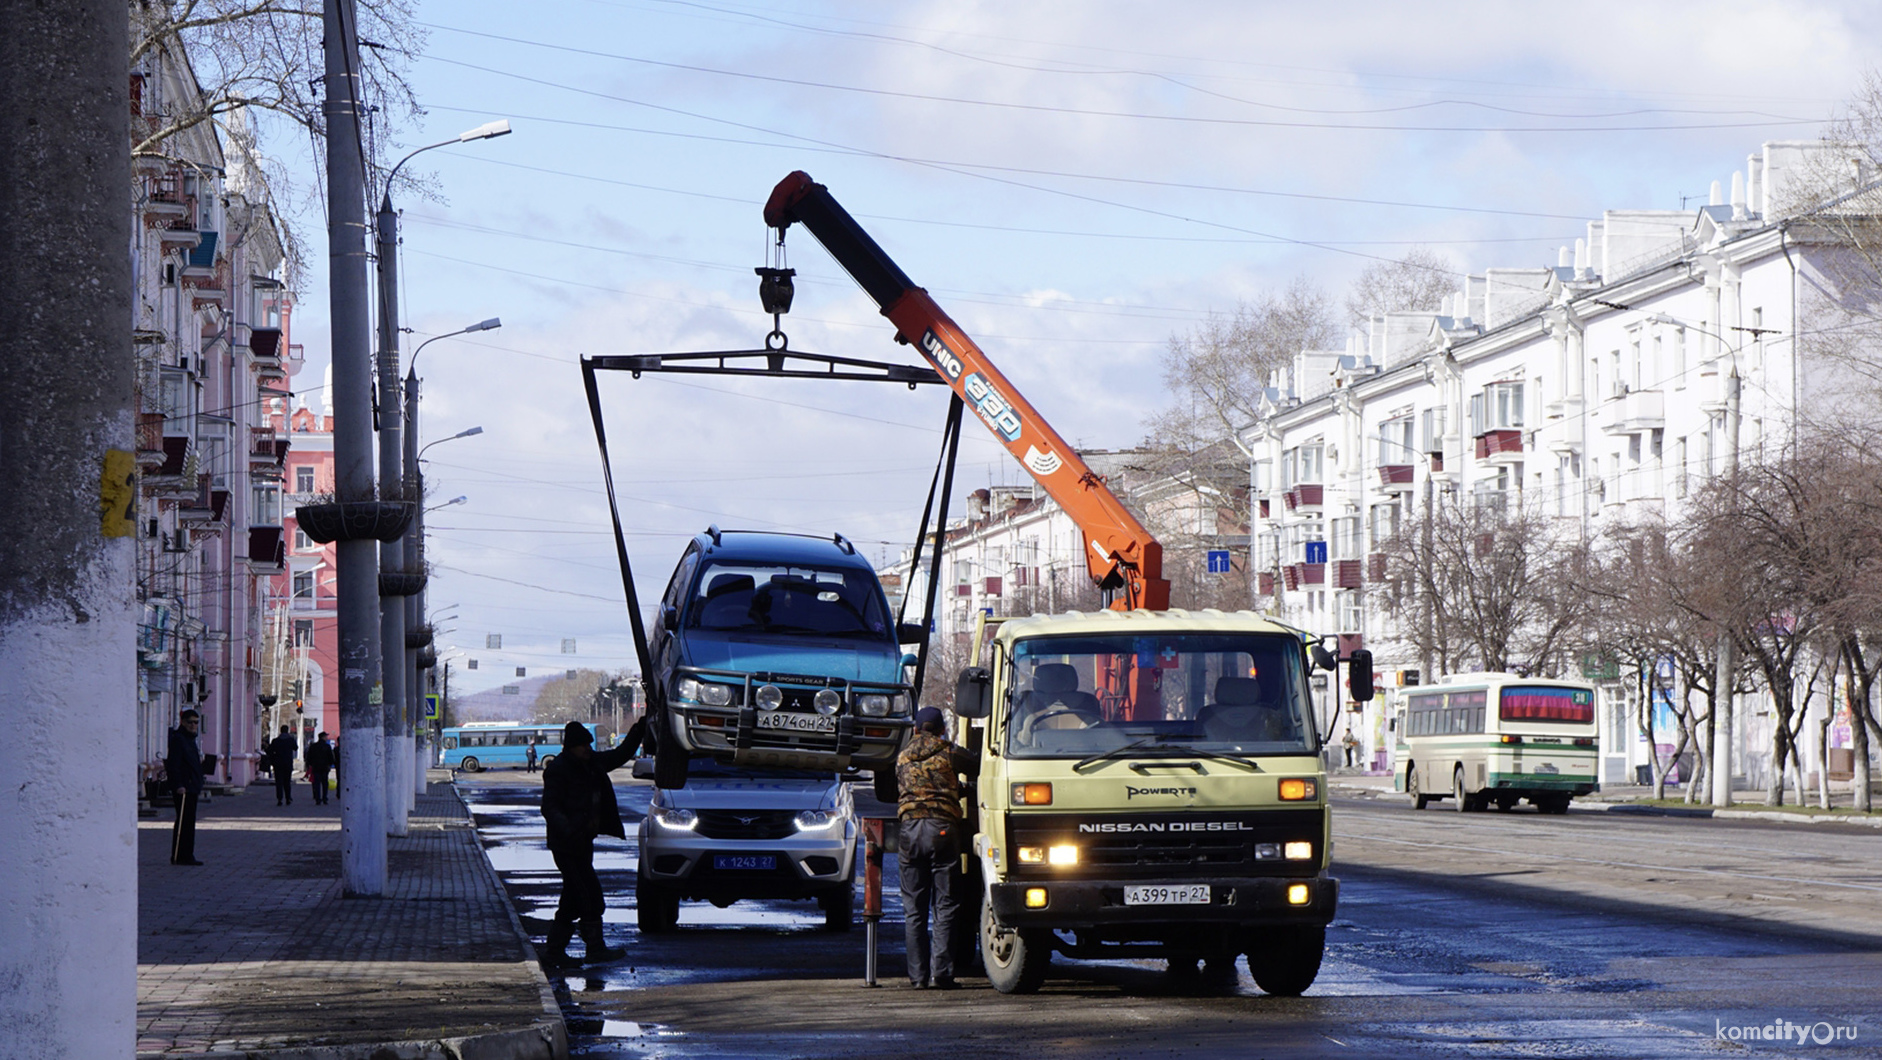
(1316, 552)
(1218, 561)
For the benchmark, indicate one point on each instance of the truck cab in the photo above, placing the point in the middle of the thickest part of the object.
(1150, 785)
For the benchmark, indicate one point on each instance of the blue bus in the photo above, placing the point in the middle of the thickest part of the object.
(486, 744)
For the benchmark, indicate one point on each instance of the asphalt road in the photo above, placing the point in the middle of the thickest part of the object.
(1483, 935)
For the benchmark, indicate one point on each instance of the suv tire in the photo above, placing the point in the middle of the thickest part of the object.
(656, 909)
(669, 761)
(887, 790)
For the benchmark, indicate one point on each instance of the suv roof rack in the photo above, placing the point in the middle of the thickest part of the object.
(843, 544)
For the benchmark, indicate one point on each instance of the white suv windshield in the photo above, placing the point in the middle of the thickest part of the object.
(763, 598)
(1074, 697)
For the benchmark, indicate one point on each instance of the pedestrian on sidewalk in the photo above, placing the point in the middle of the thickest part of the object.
(578, 804)
(932, 828)
(319, 759)
(529, 756)
(281, 759)
(1351, 745)
(184, 767)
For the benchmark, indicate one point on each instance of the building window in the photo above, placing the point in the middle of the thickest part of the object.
(1434, 430)
(267, 509)
(303, 480)
(1679, 356)
(1350, 616)
(303, 585)
(303, 632)
(1346, 537)
(1384, 524)
(1395, 441)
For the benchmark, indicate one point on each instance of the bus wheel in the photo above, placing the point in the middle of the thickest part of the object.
(1016, 960)
(1465, 801)
(1419, 799)
(1506, 803)
(546, 760)
(471, 764)
(1290, 961)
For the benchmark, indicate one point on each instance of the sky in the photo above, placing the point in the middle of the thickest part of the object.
(1075, 183)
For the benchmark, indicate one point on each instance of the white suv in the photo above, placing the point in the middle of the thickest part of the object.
(736, 833)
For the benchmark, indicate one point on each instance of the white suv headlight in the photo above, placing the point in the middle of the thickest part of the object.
(704, 692)
(874, 704)
(678, 820)
(817, 820)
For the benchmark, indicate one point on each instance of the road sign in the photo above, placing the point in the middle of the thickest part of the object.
(431, 706)
(1218, 561)
(1316, 552)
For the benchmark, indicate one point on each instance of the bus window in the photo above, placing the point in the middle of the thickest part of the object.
(1572, 705)
(450, 743)
(552, 737)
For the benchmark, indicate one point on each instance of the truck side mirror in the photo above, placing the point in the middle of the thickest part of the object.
(1322, 658)
(1359, 675)
(973, 692)
(643, 769)
(669, 617)
(910, 632)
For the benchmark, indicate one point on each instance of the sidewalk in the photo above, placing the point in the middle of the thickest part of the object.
(256, 954)
(1625, 798)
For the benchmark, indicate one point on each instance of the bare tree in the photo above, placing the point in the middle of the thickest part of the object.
(1418, 282)
(569, 698)
(1489, 586)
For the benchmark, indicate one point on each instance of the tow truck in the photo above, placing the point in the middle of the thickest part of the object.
(1151, 780)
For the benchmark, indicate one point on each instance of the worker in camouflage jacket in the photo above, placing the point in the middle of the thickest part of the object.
(933, 831)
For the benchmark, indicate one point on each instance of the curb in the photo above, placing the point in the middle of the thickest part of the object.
(1599, 806)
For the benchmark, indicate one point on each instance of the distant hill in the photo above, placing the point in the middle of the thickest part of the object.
(494, 705)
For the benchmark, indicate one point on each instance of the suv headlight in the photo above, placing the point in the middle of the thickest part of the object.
(827, 700)
(703, 692)
(770, 697)
(817, 820)
(875, 704)
(678, 820)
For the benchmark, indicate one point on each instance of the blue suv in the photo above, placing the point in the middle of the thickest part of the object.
(778, 651)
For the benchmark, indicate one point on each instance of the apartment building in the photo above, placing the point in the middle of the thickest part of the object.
(1593, 389)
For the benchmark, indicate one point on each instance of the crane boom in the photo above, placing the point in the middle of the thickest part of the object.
(1120, 553)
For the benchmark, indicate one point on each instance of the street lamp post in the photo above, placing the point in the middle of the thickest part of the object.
(415, 546)
(397, 708)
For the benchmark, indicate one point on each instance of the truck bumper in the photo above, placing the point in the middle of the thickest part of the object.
(1100, 903)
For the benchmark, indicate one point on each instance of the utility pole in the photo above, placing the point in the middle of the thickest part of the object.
(68, 613)
(1724, 705)
(393, 572)
(362, 724)
(415, 604)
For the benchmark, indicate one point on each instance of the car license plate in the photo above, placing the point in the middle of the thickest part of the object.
(1166, 894)
(793, 722)
(744, 862)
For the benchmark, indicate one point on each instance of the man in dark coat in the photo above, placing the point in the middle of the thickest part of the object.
(184, 767)
(319, 759)
(928, 771)
(281, 760)
(578, 804)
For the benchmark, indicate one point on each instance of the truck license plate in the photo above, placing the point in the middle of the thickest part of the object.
(792, 722)
(744, 862)
(1168, 894)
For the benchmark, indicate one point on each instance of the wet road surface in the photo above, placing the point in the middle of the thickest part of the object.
(1479, 935)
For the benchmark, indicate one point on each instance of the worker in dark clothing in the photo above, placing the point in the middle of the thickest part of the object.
(319, 759)
(184, 767)
(578, 804)
(928, 771)
(281, 760)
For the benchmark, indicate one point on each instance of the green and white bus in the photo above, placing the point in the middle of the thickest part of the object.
(1495, 739)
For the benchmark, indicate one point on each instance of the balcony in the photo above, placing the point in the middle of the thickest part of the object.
(1264, 584)
(1313, 574)
(1290, 576)
(1307, 495)
(1562, 436)
(267, 549)
(963, 589)
(264, 347)
(1500, 446)
(993, 586)
(1346, 574)
(265, 446)
(1635, 413)
(1397, 478)
(1375, 567)
(150, 451)
(205, 505)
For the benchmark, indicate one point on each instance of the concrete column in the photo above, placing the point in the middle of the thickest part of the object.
(392, 554)
(68, 613)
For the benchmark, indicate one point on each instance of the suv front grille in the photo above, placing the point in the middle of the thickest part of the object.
(751, 824)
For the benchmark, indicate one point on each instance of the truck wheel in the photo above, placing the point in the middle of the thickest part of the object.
(839, 908)
(1465, 801)
(887, 790)
(656, 909)
(669, 764)
(1287, 965)
(1016, 960)
(1419, 799)
(471, 764)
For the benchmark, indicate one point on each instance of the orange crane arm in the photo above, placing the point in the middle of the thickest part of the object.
(1119, 552)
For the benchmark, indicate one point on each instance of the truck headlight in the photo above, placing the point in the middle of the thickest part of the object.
(1298, 789)
(1062, 856)
(1299, 851)
(678, 820)
(827, 700)
(875, 704)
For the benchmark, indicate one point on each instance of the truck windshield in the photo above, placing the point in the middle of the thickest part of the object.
(763, 598)
(1242, 694)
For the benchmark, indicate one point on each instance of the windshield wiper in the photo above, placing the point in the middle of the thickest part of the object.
(1148, 744)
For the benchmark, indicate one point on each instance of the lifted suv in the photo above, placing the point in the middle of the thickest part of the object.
(777, 651)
